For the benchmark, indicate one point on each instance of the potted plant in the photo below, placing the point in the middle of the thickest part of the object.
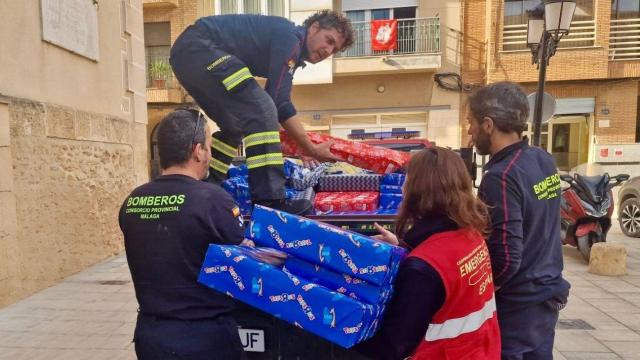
(160, 71)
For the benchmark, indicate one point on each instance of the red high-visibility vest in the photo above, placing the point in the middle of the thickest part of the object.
(466, 326)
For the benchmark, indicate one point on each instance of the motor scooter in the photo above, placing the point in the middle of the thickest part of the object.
(585, 209)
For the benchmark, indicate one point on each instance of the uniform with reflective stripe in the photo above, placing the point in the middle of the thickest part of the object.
(237, 78)
(466, 325)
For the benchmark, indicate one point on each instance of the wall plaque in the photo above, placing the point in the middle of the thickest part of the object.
(72, 25)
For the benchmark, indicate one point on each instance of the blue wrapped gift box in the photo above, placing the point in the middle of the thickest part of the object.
(329, 314)
(238, 188)
(393, 179)
(342, 283)
(326, 245)
(390, 201)
(391, 189)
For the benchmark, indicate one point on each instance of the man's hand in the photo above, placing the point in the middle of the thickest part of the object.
(385, 235)
(322, 152)
(310, 162)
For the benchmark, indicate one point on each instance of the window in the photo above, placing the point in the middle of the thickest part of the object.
(264, 7)
(625, 9)
(515, 24)
(157, 39)
(361, 19)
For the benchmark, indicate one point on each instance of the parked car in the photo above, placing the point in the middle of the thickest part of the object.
(629, 207)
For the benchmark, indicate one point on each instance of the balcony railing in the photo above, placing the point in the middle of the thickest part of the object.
(415, 36)
(581, 34)
(624, 39)
(160, 81)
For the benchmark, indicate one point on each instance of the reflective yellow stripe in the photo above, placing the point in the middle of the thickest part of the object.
(266, 137)
(223, 148)
(219, 166)
(236, 78)
(264, 160)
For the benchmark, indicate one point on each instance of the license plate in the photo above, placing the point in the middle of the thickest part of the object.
(252, 339)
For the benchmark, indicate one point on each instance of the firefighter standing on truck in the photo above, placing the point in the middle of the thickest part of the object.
(216, 60)
(168, 224)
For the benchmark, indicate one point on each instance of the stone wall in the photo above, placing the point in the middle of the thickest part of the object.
(70, 170)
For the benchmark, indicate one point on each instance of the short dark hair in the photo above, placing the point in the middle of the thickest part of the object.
(328, 19)
(505, 103)
(176, 134)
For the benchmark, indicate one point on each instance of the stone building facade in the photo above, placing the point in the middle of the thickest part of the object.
(72, 136)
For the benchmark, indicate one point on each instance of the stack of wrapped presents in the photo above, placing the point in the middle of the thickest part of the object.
(369, 180)
(323, 279)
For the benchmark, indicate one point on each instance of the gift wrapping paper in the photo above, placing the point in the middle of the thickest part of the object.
(341, 167)
(390, 201)
(343, 283)
(391, 189)
(314, 308)
(375, 158)
(345, 202)
(240, 170)
(326, 245)
(303, 178)
(360, 182)
(393, 179)
(238, 188)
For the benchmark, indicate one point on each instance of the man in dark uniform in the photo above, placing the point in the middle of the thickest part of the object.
(522, 189)
(216, 60)
(167, 225)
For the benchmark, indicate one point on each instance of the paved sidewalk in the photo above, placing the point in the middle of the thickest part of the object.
(91, 315)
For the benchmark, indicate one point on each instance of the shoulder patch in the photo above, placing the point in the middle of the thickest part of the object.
(236, 211)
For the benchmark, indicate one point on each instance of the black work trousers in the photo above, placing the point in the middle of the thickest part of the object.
(159, 339)
(528, 332)
(224, 88)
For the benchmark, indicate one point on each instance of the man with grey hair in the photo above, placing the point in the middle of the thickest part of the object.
(524, 244)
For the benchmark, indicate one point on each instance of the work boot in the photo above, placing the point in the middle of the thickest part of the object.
(295, 207)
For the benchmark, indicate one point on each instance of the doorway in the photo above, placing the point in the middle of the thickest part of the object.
(566, 138)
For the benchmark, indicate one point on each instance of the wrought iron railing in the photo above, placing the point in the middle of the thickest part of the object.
(159, 73)
(415, 36)
(624, 39)
(581, 34)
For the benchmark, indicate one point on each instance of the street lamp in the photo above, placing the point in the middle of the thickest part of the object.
(545, 27)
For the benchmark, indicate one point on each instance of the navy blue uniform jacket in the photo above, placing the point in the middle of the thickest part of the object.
(521, 186)
(272, 47)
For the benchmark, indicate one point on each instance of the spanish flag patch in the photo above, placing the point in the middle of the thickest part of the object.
(236, 211)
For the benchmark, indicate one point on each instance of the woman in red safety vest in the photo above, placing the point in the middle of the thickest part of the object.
(443, 304)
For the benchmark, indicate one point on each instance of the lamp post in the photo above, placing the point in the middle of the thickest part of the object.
(545, 27)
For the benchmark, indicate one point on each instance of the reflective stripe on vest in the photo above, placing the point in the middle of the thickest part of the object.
(219, 166)
(228, 150)
(265, 160)
(266, 137)
(236, 78)
(455, 327)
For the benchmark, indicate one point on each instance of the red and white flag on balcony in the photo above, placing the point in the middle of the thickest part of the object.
(384, 34)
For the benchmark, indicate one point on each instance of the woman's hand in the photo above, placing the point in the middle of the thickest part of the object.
(247, 242)
(385, 235)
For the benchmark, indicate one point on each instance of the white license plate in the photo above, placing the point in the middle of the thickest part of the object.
(252, 339)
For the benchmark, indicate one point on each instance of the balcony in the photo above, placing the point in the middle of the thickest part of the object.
(162, 86)
(624, 39)
(418, 49)
(581, 34)
(159, 4)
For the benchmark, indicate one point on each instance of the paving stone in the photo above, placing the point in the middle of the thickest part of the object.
(577, 340)
(579, 355)
(625, 349)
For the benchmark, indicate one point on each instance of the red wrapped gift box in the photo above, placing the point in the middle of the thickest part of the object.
(338, 202)
(375, 158)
